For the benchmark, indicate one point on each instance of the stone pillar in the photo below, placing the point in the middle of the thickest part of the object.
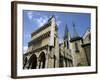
(46, 63)
(37, 63)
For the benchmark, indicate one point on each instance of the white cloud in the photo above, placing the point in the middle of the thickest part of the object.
(29, 14)
(60, 40)
(58, 22)
(27, 35)
(39, 21)
(42, 20)
(25, 49)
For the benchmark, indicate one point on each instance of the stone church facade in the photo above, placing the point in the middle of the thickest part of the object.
(45, 51)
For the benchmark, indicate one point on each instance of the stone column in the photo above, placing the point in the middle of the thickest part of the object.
(46, 63)
(38, 63)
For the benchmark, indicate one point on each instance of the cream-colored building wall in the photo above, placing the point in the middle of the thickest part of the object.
(86, 37)
(54, 62)
(41, 43)
(45, 41)
(41, 33)
(68, 53)
(79, 57)
(66, 59)
(57, 52)
(62, 49)
(86, 40)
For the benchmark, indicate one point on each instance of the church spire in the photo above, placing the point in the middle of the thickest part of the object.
(66, 32)
(75, 34)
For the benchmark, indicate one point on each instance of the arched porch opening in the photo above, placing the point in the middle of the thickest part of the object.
(33, 62)
(42, 60)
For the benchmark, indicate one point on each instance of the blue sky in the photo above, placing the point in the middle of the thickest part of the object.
(33, 20)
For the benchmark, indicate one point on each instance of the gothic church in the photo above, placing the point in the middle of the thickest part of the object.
(45, 51)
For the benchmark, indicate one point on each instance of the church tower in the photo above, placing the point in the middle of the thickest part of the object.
(78, 53)
(65, 50)
(66, 38)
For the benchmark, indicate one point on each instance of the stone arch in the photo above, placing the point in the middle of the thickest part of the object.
(33, 62)
(42, 59)
(42, 51)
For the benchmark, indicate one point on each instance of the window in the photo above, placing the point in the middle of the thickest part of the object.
(67, 45)
(54, 41)
(76, 47)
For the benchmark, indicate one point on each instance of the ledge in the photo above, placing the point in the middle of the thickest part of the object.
(75, 39)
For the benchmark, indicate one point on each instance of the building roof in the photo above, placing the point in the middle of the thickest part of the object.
(75, 39)
(46, 25)
(41, 28)
(66, 32)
